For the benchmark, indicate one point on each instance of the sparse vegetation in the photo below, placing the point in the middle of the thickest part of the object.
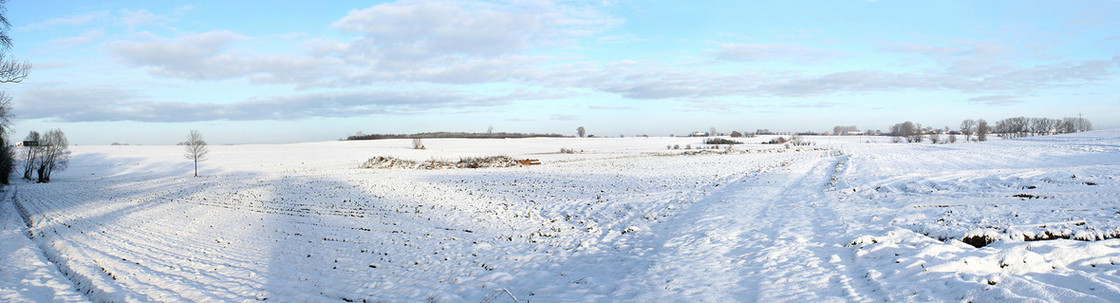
(381, 162)
(721, 141)
(418, 143)
(800, 141)
(778, 140)
(451, 135)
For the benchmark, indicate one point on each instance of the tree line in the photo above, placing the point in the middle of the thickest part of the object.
(1007, 128)
(10, 72)
(450, 135)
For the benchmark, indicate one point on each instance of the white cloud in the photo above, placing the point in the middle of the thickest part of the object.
(204, 56)
(75, 20)
(84, 38)
(142, 17)
(110, 103)
(996, 100)
(183, 9)
(774, 51)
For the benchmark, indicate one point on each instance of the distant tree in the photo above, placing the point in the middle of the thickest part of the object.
(967, 127)
(490, 131)
(840, 130)
(196, 149)
(55, 154)
(33, 152)
(581, 131)
(982, 130)
(417, 143)
(712, 131)
(911, 131)
(736, 134)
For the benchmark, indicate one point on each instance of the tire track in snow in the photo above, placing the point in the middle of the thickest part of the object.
(770, 235)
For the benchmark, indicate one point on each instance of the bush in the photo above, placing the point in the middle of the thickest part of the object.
(718, 141)
(800, 141)
(778, 140)
(417, 143)
(467, 162)
(568, 151)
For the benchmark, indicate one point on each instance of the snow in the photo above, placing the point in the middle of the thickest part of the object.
(847, 219)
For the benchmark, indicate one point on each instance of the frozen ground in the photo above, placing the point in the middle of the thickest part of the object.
(849, 219)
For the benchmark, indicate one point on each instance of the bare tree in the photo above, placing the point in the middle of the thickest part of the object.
(33, 150)
(582, 132)
(7, 155)
(712, 131)
(982, 130)
(10, 71)
(196, 149)
(841, 130)
(417, 143)
(967, 127)
(490, 131)
(55, 154)
(911, 131)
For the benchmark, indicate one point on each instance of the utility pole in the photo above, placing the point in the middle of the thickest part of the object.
(1080, 125)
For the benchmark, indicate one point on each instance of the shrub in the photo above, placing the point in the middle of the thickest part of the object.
(778, 140)
(721, 141)
(800, 141)
(676, 146)
(417, 143)
(466, 162)
(568, 151)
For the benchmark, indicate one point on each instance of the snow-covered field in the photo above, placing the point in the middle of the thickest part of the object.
(849, 219)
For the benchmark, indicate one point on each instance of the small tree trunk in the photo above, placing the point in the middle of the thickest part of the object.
(30, 163)
(42, 177)
(196, 167)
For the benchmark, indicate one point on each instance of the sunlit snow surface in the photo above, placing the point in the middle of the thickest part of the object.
(849, 219)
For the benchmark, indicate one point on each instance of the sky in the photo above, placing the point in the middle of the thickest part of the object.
(242, 72)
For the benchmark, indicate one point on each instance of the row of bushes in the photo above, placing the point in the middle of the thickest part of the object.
(382, 162)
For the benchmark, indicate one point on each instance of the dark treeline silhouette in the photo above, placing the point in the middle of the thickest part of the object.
(453, 135)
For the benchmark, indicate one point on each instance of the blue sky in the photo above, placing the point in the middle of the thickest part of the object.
(146, 72)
